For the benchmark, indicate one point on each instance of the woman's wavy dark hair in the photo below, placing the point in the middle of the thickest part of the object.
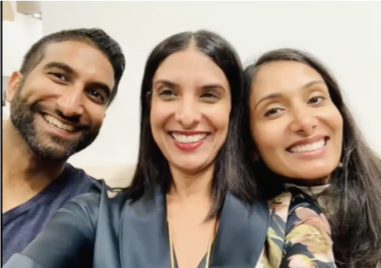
(352, 202)
(231, 172)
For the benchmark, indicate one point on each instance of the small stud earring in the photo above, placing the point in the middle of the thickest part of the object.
(340, 165)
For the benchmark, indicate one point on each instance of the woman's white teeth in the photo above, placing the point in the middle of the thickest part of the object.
(308, 147)
(188, 138)
(53, 121)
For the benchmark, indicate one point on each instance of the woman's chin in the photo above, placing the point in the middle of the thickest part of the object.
(309, 172)
(189, 167)
(309, 175)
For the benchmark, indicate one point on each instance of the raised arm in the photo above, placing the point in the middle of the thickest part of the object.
(67, 240)
(308, 240)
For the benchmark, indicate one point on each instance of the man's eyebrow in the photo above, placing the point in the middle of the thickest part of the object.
(67, 69)
(60, 65)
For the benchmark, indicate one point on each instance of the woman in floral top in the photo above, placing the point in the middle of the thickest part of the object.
(305, 136)
(298, 235)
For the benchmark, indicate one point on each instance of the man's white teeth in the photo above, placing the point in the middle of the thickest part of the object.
(53, 121)
(188, 138)
(308, 147)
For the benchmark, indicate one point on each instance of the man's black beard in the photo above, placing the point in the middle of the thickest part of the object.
(23, 116)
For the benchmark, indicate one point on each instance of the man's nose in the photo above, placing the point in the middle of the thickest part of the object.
(70, 103)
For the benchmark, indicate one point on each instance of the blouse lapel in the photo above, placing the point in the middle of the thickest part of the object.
(241, 234)
(144, 233)
(239, 241)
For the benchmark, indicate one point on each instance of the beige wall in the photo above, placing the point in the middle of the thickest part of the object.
(8, 14)
(115, 176)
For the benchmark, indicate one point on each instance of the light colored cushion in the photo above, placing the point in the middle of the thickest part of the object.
(114, 176)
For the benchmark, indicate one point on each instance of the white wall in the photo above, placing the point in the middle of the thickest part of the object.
(18, 36)
(345, 35)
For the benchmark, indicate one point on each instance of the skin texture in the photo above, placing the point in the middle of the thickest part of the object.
(290, 103)
(72, 84)
(190, 93)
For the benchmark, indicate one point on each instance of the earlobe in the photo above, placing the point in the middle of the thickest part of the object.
(13, 84)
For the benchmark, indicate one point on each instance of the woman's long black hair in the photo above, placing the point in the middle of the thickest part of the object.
(231, 172)
(352, 202)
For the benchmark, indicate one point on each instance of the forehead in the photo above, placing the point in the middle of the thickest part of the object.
(86, 60)
(284, 75)
(190, 65)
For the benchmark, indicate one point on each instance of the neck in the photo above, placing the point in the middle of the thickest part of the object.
(190, 195)
(24, 173)
(188, 186)
(308, 182)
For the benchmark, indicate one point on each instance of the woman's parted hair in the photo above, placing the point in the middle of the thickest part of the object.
(231, 169)
(352, 203)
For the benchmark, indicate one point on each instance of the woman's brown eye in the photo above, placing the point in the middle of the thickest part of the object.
(166, 92)
(272, 111)
(210, 96)
(315, 100)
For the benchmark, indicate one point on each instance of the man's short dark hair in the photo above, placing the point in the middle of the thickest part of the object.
(95, 37)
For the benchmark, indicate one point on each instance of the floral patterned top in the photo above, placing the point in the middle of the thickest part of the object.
(299, 235)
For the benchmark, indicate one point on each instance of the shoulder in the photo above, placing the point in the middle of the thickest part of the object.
(79, 182)
(302, 201)
(92, 196)
(308, 234)
(294, 208)
(84, 179)
(280, 205)
(305, 220)
(80, 174)
(305, 213)
(297, 227)
(294, 205)
(99, 196)
(84, 207)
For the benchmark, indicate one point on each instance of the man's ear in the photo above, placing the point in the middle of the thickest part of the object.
(14, 82)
